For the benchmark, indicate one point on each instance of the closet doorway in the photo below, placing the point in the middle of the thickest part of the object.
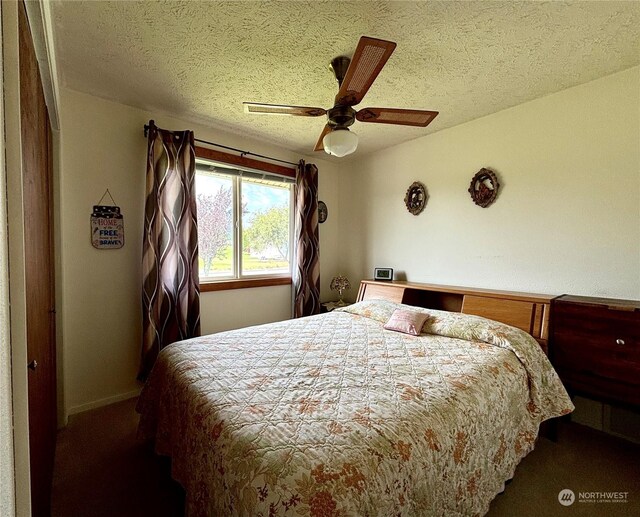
(39, 271)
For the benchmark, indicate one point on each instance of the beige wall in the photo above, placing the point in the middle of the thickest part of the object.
(102, 146)
(567, 218)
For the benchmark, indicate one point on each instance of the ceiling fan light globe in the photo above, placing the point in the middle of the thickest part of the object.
(340, 142)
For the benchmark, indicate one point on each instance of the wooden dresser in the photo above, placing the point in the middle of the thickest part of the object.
(596, 347)
(529, 312)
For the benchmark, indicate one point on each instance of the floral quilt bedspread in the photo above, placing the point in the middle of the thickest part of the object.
(333, 415)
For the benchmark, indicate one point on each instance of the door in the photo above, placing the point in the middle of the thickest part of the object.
(39, 273)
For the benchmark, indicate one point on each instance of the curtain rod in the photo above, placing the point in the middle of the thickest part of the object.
(242, 153)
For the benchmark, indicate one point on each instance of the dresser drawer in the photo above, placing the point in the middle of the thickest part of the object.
(596, 346)
(618, 342)
(599, 388)
(597, 325)
(572, 353)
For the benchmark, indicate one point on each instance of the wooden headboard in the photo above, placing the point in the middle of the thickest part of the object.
(529, 312)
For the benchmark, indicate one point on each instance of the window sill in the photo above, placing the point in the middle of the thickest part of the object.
(245, 283)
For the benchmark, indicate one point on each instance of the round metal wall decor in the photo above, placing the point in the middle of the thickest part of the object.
(416, 198)
(484, 187)
(323, 212)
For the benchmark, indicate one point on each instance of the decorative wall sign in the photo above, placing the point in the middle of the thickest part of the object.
(323, 212)
(107, 226)
(416, 198)
(484, 187)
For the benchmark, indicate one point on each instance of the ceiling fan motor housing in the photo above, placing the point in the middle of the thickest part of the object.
(341, 116)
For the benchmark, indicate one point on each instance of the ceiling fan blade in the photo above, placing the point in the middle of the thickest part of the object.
(277, 109)
(401, 117)
(319, 145)
(370, 57)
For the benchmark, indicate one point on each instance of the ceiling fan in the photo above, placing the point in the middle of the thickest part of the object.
(355, 77)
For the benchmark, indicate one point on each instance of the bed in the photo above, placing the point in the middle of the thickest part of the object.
(333, 415)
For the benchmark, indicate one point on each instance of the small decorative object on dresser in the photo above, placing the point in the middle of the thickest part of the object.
(596, 347)
(383, 273)
(340, 283)
(484, 187)
(416, 197)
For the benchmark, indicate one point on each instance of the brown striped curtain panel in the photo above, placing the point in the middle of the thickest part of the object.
(170, 290)
(306, 271)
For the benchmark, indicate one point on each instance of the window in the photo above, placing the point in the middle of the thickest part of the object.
(244, 223)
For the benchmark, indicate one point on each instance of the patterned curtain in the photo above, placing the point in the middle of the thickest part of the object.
(170, 290)
(306, 274)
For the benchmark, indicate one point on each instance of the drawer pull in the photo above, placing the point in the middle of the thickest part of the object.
(620, 342)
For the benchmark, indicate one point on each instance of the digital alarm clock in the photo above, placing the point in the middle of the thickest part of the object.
(383, 273)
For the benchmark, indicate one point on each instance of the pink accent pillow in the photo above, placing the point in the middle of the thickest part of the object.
(408, 322)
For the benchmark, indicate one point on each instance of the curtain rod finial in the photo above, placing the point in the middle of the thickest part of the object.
(148, 126)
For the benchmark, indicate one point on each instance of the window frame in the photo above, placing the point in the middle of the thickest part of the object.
(247, 281)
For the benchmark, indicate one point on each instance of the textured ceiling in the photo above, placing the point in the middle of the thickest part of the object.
(201, 60)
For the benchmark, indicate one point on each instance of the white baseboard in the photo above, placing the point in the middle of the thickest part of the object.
(102, 402)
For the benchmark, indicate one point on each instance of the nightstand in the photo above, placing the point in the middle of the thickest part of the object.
(596, 347)
(329, 306)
